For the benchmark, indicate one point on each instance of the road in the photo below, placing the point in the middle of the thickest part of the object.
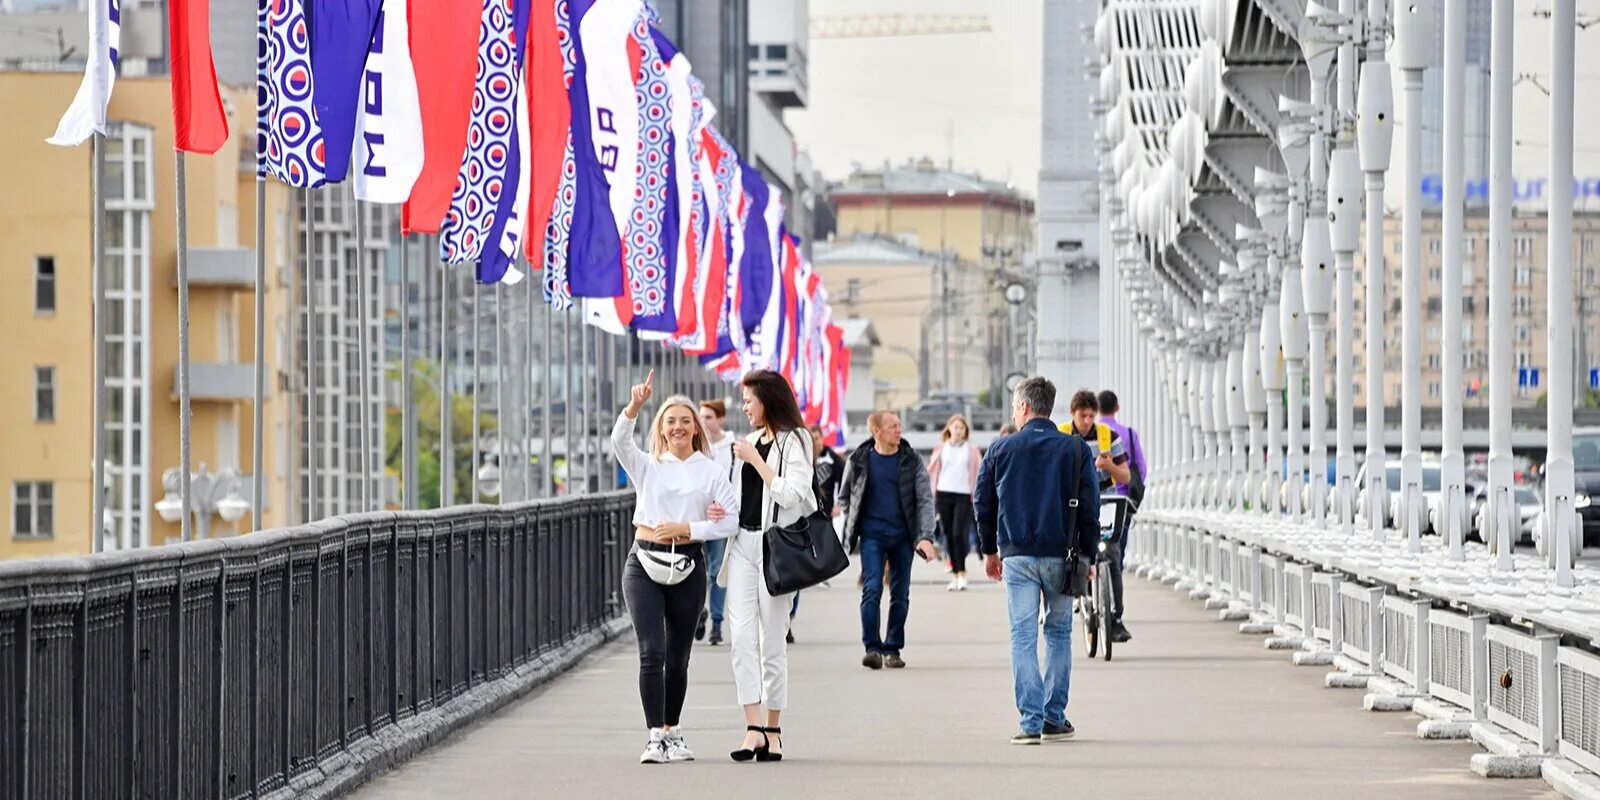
(1189, 708)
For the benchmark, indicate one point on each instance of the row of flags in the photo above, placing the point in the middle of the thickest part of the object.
(568, 135)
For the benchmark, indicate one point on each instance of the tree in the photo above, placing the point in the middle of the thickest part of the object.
(425, 399)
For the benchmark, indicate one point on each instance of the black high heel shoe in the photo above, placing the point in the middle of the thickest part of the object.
(765, 753)
(746, 754)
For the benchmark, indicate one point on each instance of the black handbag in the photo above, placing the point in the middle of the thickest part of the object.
(803, 554)
(1076, 580)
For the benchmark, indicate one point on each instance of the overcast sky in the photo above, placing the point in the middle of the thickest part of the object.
(974, 98)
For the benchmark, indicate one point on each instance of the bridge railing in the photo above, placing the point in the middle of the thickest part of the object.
(293, 662)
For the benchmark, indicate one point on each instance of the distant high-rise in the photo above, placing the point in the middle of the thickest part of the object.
(1476, 152)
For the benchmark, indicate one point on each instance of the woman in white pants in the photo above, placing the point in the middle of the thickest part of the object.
(774, 484)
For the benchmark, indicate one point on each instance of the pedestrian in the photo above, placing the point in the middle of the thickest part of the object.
(828, 468)
(1133, 489)
(953, 471)
(714, 415)
(775, 489)
(683, 499)
(1036, 504)
(1111, 461)
(889, 516)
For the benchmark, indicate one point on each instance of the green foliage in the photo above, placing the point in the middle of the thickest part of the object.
(425, 401)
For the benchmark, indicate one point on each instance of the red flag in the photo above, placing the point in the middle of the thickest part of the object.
(551, 134)
(444, 53)
(199, 123)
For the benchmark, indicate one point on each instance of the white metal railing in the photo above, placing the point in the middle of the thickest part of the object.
(1459, 667)
(1406, 640)
(1522, 684)
(1579, 676)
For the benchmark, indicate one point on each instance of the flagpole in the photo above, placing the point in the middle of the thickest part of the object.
(312, 438)
(477, 387)
(547, 465)
(363, 358)
(97, 145)
(183, 344)
(257, 422)
(586, 441)
(447, 479)
(527, 378)
(408, 433)
(566, 389)
(501, 317)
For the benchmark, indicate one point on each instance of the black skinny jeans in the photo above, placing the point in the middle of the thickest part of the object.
(955, 519)
(664, 619)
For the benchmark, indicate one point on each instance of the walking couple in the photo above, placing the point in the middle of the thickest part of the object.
(685, 499)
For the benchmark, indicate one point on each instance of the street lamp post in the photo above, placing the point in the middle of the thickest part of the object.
(209, 493)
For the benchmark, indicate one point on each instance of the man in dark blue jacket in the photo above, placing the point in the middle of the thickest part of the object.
(1038, 498)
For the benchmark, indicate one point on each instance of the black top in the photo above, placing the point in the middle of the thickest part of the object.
(751, 488)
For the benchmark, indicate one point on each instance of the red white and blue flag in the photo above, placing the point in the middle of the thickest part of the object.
(289, 141)
(86, 116)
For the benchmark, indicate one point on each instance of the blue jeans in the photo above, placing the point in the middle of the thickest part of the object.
(1029, 581)
(874, 554)
(715, 550)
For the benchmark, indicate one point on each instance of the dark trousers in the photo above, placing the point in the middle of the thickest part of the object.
(955, 519)
(664, 619)
(1114, 556)
(897, 554)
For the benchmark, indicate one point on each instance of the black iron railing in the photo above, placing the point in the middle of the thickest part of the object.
(275, 663)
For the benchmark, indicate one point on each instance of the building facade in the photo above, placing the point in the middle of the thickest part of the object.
(45, 236)
(1529, 307)
(1069, 256)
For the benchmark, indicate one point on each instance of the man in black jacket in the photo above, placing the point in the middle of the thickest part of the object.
(888, 516)
(1051, 508)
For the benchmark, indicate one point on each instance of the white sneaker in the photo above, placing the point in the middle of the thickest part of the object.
(955, 585)
(961, 583)
(656, 751)
(677, 748)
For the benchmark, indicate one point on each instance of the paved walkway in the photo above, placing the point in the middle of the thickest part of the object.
(1189, 708)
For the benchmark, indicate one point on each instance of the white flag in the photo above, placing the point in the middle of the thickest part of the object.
(388, 141)
(87, 114)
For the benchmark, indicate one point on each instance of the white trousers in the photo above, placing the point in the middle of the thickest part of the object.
(757, 625)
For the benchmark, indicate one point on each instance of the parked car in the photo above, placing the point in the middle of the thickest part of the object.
(1529, 507)
(1432, 480)
(932, 412)
(1586, 469)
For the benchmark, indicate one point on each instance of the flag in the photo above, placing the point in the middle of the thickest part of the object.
(389, 146)
(544, 84)
(757, 260)
(199, 125)
(480, 180)
(712, 272)
(289, 142)
(341, 32)
(556, 96)
(688, 207)
(86, 115)
(444, 57)
(605, 131)
(509, 212)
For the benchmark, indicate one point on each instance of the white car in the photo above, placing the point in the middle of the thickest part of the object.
(1529, 510)
(1432, 480)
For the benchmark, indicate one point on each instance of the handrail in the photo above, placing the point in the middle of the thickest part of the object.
(303, 658)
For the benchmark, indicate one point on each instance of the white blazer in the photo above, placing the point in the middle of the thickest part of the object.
(790, 489)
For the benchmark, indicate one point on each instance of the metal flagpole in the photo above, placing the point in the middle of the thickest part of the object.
(313, 437)
(408, 433)
(566, 390)
(98, 283)
(258, 495)
(447, 480)
(501, 317)
(601, 403)
(547, 464)
(477, 387)
(527, 377)
(184, 424)
(363, 360)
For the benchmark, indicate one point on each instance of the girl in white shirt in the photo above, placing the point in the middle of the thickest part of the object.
(954, 472)
(684, 499)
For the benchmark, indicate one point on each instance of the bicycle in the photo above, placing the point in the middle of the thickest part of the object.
(1098, 607)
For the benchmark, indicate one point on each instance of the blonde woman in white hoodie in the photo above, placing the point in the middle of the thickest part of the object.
(684, 499)
(774, 486)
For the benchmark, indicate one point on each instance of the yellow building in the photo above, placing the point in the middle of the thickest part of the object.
(925, 254)
(46, 245)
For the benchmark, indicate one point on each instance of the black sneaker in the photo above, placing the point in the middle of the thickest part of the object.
(1058, 733)
(700, 627)
(872, 661)
(1119, 633)
(788, 638)
(716, 635)
(893, 661)
(1023, 737)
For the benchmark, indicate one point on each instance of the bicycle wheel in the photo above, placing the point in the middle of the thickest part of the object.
(1091, 622)
(1102, 589)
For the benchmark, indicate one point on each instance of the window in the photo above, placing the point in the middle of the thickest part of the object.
(1433, 275)
(1588, 245)
(1433, 246)
(33, 510)
(1433, 390)
(1522, 304)
(44, 285)
(1524, 245)
(1471, 245)
(1433, 361)
(1433, 333)
(1466, 331)
(778, 52)
(44, 394)
(1524, 333)
(1397, 246)
(852, 290)
(1524, 359)
(1524, 275)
